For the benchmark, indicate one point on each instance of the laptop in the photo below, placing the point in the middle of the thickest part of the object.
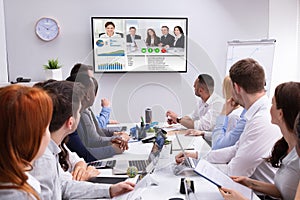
(143, 166)
(188, 162)
(140, 44)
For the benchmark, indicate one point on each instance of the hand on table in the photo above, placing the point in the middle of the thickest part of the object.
(193, 132)
(123, 144)
(179, 158)
(120, 188)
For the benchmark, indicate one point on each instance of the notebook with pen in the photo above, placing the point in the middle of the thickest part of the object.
(143, 166)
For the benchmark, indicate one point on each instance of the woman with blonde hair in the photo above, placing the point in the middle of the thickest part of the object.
(25, 114)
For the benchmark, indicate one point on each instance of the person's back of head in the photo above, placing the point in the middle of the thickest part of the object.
(81, 68)
(89, 86)
(227, 88)
(25, 114)
(207, 83)
(297, 130)
(66, 97)
(248, 74)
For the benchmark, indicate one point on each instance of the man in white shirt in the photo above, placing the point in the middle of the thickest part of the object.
(247, 156)
(208, 108)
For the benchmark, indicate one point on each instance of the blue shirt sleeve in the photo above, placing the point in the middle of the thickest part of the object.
(103, 117)
(221, 139)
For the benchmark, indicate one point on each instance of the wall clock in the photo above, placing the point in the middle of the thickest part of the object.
(47, 29)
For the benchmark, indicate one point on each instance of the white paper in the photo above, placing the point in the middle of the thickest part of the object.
(209, 171)
(174, 127)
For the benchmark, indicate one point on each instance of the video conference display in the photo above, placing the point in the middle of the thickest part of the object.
(139, 44)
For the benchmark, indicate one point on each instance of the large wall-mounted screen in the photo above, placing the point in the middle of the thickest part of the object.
(131, 44)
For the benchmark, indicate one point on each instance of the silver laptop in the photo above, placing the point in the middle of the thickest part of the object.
(143, 166)
(189, 162)
(140, 44)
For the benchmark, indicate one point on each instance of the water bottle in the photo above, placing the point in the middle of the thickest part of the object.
(148, 115)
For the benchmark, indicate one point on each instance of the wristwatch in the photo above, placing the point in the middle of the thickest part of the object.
(178, 119)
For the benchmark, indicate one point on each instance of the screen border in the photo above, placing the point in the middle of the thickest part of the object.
(116, 72)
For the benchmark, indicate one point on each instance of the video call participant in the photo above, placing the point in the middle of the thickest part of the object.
(284, 111)
(47, 168)
(110, 31)
(179, 37)
(152, 39)
(132, 35)
(25, 114)
(166, 40)
(247, 156)
(208, 107)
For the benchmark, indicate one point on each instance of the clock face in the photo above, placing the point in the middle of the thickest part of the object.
(47, 29)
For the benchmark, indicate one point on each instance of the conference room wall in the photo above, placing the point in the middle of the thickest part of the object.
(211, 24)
(3, 61)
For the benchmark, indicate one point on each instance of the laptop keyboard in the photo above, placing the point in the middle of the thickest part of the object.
(139, 164)
(99, 164)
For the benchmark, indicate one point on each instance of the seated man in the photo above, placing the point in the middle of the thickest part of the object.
(166, 40)
(208, 108)
(132, 35)
(231, 122)
(94, 138)
(47, 169)
(247, 156)
(104, 115)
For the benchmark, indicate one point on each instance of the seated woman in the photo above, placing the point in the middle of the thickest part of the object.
(25, 114)
(284, 111)
(152, 39)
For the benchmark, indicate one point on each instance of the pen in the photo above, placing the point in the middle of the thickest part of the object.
(142, 120)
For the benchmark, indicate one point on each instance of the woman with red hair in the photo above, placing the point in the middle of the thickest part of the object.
(25, 114)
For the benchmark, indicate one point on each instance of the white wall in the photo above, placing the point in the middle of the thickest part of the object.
(3, 62)
(283, 26)
(211, 24)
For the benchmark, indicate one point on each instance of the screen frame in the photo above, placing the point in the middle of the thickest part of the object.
(137, 18)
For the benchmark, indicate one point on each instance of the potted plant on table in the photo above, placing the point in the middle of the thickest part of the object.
(53, 70)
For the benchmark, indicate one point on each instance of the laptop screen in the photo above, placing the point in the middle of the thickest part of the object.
(157, 146)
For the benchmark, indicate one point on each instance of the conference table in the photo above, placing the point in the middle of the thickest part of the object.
(162, 183)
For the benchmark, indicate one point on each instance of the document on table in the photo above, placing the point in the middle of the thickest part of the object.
(215, 176)
(174, 127)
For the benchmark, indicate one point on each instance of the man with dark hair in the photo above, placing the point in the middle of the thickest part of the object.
(94, 138)
(104, 115)
(132, 35)
(166, 40)
(66, 97)
(82, 68)
(247, 156)
(209, 107)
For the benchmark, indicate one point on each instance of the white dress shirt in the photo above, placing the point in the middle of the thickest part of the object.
(115, 35)
(73, 158)
(205, 114)
(246, 157)
(48, 172)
